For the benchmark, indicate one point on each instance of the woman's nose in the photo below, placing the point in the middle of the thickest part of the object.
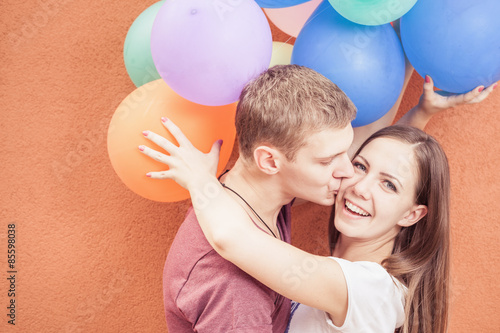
(362, 187)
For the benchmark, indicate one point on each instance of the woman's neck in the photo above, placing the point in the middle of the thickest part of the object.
(363, 250)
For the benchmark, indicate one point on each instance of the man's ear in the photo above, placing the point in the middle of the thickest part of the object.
(267, 159)
(414, 215)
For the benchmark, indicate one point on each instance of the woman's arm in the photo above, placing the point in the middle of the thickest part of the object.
(309, 279)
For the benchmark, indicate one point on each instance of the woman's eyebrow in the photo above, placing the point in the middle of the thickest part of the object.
(382, 173)
(392, 177)
(364, 160)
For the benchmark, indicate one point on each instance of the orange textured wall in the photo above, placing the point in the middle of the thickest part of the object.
(90, 253)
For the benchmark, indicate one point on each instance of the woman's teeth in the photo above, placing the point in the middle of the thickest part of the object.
(355, 209)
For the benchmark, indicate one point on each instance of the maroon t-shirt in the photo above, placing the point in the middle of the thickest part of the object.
(207, 294)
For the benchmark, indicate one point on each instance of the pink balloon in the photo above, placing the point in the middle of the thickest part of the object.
(291, 19)
(206, 51)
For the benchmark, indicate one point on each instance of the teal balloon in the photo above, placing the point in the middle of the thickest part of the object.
(137, 49)
(372, 12)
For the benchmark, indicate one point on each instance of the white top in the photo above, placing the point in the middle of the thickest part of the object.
(375, 303)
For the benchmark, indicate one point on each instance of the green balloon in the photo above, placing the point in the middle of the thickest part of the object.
(372, 12)
(137, 48)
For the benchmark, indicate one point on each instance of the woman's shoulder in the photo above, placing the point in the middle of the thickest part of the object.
(368, 273)
(373, 294)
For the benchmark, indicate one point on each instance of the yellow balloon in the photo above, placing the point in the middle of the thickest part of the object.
(282, 54)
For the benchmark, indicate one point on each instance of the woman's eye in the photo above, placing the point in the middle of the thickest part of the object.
(359, 166)
(327, 162)
(391, 186)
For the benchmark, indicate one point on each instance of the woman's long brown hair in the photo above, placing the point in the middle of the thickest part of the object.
(421, 254)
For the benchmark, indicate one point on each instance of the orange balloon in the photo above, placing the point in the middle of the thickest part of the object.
(142, 110)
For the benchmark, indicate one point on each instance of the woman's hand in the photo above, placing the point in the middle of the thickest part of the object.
(432, 102)
(187, 165)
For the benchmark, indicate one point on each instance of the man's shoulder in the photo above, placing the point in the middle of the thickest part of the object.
(192, 258)
(189, 244)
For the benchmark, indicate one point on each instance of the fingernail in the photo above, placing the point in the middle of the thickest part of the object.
(427, 79)
(480, 89)
(148, 175)
(220, 142)
(145, 133)
(496, 84)
(164, 120)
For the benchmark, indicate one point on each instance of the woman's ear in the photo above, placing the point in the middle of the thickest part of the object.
(414, 215)
(267, 159)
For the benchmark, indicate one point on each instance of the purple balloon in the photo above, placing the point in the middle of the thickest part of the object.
(207, 50)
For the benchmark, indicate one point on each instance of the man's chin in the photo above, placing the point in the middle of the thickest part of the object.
(328, 201)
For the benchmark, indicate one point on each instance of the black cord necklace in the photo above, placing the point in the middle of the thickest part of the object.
(253, 210)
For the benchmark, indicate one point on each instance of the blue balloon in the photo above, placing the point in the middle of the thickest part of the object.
(366, 62)
(279, 3)
(456, 42)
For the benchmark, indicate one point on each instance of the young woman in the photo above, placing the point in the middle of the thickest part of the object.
(417, 252)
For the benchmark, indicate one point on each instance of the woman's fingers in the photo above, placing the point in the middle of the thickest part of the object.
(160, 157)
(428, 85)
(160, 141)
(184, 162)
(483, 94)
(450, 100)
(215, 151)
(176, 132)
(157, 156)
(161, 175)
(470, 96)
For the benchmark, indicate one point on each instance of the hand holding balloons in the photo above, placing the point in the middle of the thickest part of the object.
(454, 41)
(432, 102)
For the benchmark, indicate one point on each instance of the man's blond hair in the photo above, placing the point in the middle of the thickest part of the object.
(286, 104)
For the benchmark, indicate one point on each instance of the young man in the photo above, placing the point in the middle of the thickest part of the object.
(294, 132)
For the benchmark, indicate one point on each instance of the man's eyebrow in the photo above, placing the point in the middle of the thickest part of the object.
(331, 156)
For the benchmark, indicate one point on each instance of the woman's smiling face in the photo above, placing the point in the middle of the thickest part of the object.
(380, 198)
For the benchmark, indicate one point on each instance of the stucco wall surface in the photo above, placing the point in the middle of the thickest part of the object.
(90, 253)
